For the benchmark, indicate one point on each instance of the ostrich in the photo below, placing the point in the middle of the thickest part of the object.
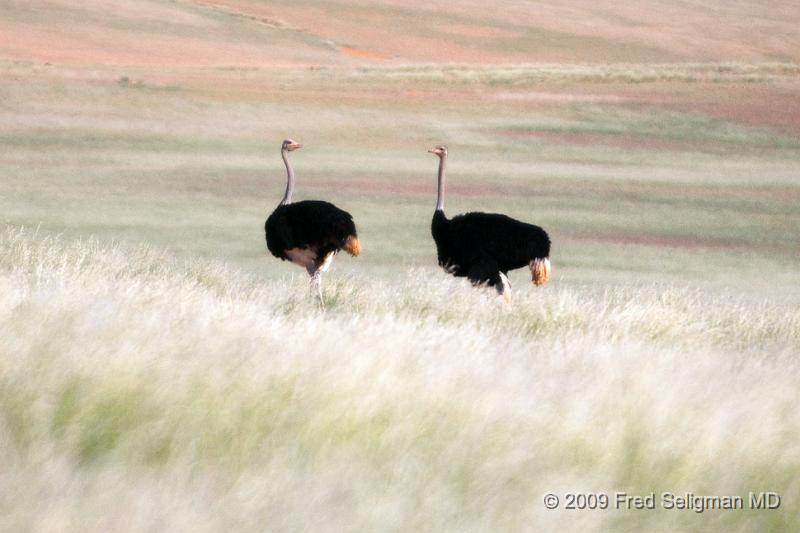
(485, 246)
(311, 232)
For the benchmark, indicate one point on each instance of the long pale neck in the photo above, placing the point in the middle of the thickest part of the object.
(440, 195)
(287, 196)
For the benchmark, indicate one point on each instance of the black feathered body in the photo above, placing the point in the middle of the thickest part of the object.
(310, 224)
(481, 245)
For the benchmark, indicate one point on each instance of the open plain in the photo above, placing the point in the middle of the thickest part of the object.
(159, 370)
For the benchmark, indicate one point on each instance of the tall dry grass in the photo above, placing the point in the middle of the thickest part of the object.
(138, 393)
(516, 75)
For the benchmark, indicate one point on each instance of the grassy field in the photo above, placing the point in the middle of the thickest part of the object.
(158, 364)
(629, 185)
(197, 397)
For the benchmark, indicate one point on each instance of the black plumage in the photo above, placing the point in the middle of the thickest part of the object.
(483, 247)
(311, 232)
(316, 225)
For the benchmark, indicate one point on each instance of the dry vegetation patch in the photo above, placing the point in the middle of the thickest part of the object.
(212, 400)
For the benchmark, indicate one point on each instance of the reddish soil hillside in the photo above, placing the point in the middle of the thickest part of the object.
(254, 33)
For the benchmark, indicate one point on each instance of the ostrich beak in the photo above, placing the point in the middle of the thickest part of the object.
(294, 146)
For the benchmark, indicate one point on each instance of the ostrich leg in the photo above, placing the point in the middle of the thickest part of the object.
(486, 273)
(316, 283)
(315, 270)
(504, 287)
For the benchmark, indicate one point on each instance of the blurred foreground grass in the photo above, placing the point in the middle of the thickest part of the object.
(138, 391)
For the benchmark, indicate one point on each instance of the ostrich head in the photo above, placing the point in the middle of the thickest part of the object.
(290, 145)
(440, 150)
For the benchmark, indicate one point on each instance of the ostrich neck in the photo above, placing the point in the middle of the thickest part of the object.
(440, 194)
(287, 196)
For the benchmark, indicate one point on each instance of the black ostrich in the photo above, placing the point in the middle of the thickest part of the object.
(311, 232)
(483, 247)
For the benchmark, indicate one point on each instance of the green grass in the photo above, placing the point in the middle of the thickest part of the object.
(156, 358)
(212, 399)
(655, 124)
(195, 168)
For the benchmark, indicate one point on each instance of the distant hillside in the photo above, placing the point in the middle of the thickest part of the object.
(258, 33)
